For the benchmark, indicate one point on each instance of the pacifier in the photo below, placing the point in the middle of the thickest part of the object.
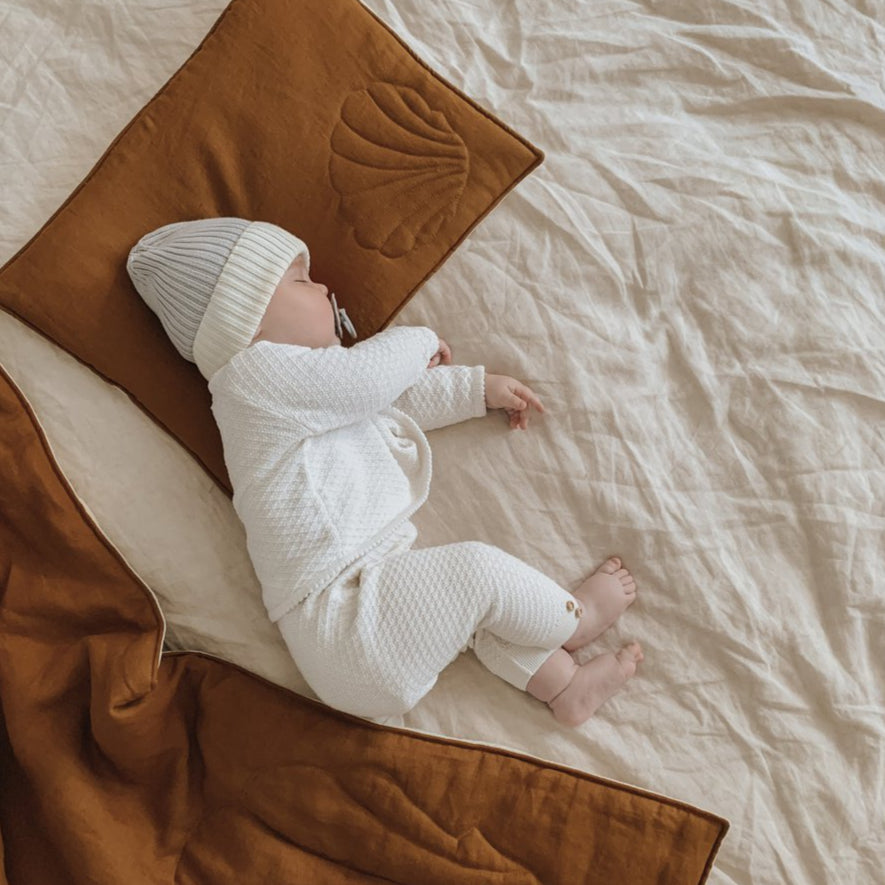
(342, 320)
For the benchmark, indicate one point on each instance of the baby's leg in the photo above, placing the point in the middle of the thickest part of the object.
(574, 693)
(374, 644)
(528, 616)
(539, 664)
(439, 601)
(376, 648)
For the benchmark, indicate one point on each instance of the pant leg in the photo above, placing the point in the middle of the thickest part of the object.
(537, 616)
(438, 601)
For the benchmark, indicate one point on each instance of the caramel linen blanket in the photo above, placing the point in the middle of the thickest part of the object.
(122, 765)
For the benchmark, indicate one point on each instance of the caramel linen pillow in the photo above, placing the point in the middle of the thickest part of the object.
(322, 122)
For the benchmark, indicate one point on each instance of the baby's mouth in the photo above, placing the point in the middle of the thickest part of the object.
(342, 320)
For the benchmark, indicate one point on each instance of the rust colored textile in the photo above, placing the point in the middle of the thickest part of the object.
(312, 115)
(122, 765)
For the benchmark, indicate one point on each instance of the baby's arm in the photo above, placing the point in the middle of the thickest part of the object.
(323, 388)
(445, 395)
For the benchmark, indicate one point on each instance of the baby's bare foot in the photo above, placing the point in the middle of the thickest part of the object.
(601, 599)
(594, 683)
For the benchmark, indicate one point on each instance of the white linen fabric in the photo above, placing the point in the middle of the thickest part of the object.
(692, 282)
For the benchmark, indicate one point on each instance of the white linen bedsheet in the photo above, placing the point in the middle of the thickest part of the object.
(693, 282)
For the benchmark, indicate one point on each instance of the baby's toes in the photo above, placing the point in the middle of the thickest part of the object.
(629, 656)
(611, 565)
(634, 651)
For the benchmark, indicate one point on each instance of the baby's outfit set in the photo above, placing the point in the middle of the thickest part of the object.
(328, 460)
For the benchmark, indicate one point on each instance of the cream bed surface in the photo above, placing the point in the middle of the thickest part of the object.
(693, 282)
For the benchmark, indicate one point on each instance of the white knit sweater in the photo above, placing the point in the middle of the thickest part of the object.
(325, 448)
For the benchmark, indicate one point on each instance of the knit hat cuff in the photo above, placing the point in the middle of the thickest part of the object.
(245, 286)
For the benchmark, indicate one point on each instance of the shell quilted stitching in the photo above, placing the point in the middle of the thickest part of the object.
(398, 166)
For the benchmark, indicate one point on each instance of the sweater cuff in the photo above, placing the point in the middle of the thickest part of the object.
(432, 342)
(478, 391)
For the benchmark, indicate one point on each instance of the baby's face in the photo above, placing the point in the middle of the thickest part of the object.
(299, 312)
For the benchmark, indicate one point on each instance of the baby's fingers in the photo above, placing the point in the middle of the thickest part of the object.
(530, 396)
(519, 419)
(514, 400)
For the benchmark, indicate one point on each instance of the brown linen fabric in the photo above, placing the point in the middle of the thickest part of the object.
(120, 765)
(312, 115)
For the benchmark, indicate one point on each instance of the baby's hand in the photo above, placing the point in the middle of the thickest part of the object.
(443, 355)
(504, 392)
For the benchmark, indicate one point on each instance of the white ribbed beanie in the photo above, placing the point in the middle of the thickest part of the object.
(210, 281)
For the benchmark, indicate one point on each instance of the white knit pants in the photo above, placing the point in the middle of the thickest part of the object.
(374, 642)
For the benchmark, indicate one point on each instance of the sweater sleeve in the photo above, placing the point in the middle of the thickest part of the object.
(445, 395)
(321, 389)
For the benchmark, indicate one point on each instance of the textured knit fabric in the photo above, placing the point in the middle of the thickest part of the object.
(374, 642)
(325, 449)
(209, 281)
(328, 460)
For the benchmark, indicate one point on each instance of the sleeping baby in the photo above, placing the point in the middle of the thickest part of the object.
(327, 455)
